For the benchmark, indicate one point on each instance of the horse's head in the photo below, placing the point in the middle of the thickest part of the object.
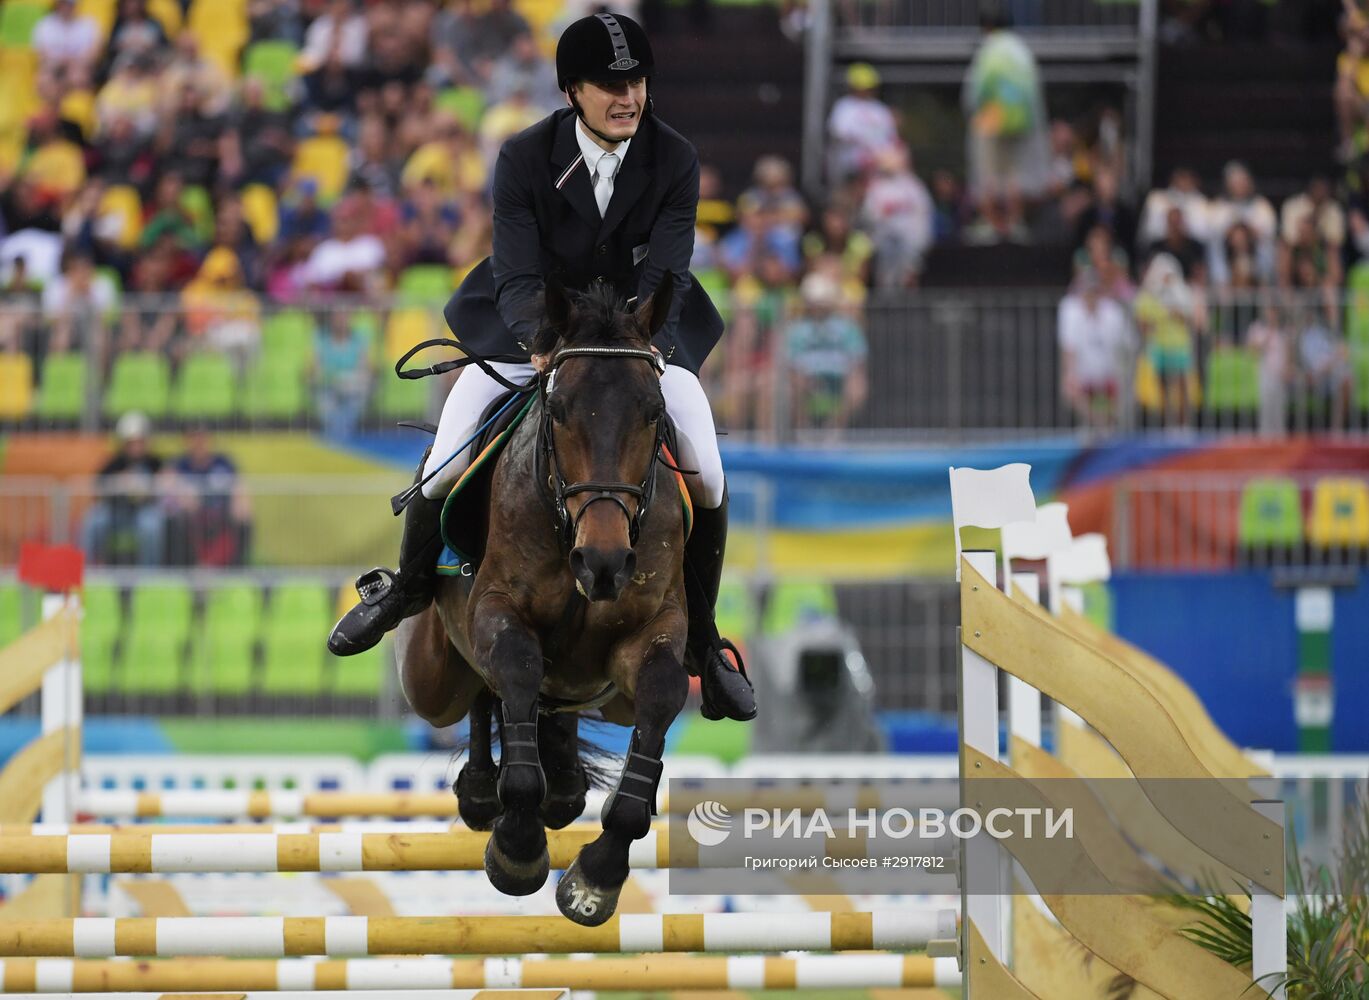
(602, 425)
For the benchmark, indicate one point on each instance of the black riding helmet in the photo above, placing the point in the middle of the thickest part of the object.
(602, 48)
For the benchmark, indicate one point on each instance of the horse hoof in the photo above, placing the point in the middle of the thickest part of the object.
(515, 878)
(476, 800)
(581, 901)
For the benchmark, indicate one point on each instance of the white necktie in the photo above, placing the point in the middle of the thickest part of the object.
(603, 180)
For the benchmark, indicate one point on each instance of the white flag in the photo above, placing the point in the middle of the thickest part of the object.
(1086, 561)
(1047, 534)
(990, 498)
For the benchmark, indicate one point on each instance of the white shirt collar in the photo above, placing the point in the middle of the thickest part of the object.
(593, 152)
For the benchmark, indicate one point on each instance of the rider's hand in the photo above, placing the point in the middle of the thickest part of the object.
(541, 361)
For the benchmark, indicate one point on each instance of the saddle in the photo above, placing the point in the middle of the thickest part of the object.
(465, 513)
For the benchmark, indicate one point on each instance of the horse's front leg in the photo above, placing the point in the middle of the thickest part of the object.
(588, 892)
(516, 857)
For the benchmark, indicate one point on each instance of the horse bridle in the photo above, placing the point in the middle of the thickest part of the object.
(560, 490)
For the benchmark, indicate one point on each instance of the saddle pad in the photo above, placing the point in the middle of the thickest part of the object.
(465, 513)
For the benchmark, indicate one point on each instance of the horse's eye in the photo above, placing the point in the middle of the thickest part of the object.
(655, 412)
(556, 406)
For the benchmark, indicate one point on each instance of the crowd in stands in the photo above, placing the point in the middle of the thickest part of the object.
(233, 158)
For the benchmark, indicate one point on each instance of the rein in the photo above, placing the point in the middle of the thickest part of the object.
(614, 492)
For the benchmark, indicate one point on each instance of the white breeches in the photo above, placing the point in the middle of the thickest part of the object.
(684, 401)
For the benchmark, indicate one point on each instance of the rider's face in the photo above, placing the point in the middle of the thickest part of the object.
(613, 108)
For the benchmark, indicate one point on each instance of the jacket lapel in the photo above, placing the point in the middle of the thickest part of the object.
(569, 175)
(632, 179)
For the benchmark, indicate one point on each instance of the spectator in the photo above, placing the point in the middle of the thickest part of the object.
(1108, 210)
(496, 29)
(301, 218)
(19, 304)
(1168, 312)
(859, 126)
(149, 323)
(188, 67)
(948, 204)
(1268, 338)
(429, 224)
(757, 235)
(1241, 203)
(1328, 219)
(449, 161)
(133, 34)
(210, 519)
(334, 55)
(54, 164)
(454, 40)
(219, 310)
(1184, 194)
(374, 162)
(194, 143)
(168, 216)
(1352, 87)
(126, 521)
(503, 121)
(1324, 360)
(397, 32)
(131, 96)
(272, 19)
(1179, 243)
(825, 358)
(474, 239)
(342, 374)
(524, 68)
(124, 155)
(898, 211)
(1109, 262)
(773, 190)
(260, 145)
(76, 303)
(761, 302)
(851, 247)
(1005, 109)
(67, 45)
(350, 253)
(1095, 344)
(716, 217)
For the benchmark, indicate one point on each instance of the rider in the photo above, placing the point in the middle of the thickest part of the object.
(601, 189)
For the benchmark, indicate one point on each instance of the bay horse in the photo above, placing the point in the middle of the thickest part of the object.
(579, 601)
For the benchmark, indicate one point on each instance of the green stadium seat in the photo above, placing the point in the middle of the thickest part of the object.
(299, 605)
(1233, 380)
(1271, 513)
(362, 675)
(466, 103)
(62, 389)
(1359, 363)
(796, 602)
(206, 388)
(101, 619)
(17, 20)
(293, 662)
(274, 391)
(736, 611)
(225, 661)
(287, 338)
(151, 663)
(97, 667)
(273, 63)
(11, 613)
(235, 608)
(112, 276)
(139, 381)
(1357, 314)
(425, 284)
(164, 607)
(401, 399)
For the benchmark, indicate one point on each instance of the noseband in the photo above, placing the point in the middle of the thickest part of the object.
(560, 489)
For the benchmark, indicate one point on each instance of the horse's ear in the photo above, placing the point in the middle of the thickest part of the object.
(557, 304)
(652, 313)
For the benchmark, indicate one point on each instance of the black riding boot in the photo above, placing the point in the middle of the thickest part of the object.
(388, 598)
(727, 693)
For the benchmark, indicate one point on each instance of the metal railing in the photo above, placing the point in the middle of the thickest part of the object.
(1294, 522)
(941, 364)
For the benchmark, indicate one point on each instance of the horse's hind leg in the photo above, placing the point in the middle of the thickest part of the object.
(588, 891)
(558, 735)
(516, 858)
(477, 798)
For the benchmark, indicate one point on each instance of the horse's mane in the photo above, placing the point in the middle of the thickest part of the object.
(600, 318)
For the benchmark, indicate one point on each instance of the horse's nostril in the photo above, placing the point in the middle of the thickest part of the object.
(629, 564)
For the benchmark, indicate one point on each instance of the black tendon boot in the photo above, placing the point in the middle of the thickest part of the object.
(388, 598)
(727, 693)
